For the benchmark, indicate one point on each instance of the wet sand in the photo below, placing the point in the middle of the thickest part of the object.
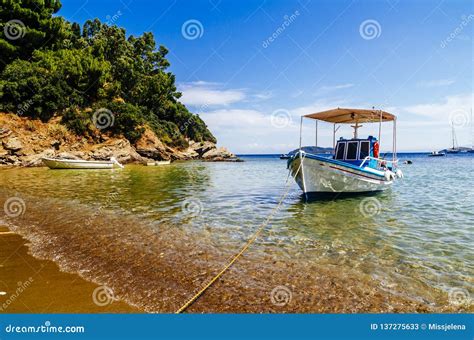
(157, 267)
(162, 283)
(30, 285)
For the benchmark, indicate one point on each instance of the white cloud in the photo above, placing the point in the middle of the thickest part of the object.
(236, 119)
(210, 94)
(436, 83)
(263, 95)
(324, 90)
(442, 109)
(336, 87)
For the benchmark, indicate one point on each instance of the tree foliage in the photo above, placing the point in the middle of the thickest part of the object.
(62, 69)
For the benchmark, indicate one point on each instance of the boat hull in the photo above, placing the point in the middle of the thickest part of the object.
(76, 164)
(320, 176)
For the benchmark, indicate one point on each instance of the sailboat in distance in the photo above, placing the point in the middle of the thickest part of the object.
(454, 148)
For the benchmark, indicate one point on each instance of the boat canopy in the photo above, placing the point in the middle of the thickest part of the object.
(349, 116)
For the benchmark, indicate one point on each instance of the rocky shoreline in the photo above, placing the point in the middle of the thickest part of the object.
(23, 142)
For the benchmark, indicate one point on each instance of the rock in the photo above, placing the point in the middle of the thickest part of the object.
(10, 160)
(120, 149)
(35, 159)
(5, 132)
(68, 155)
(189, 153)
(150, 146)
(55, 144)
(218, 153)
(13, 144)
(202, 147)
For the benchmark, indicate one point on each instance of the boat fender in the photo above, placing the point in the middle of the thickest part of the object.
(389, 175)
(376, 149)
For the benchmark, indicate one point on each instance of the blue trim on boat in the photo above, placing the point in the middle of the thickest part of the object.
(336, 162)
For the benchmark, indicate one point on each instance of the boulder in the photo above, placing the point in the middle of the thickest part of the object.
(120, 149)
(202, 147)
(151, 147)
(5, 132)
(35, 159)
(69, 155)
(55, 144)
(9, 160)
(13, 144)
(218, 153)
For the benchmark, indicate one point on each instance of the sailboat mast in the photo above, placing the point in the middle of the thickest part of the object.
(452, 133)
(472, 133)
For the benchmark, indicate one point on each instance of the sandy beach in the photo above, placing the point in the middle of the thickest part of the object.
(30, 285)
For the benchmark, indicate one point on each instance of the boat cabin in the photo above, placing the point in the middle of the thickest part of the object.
(355, 150)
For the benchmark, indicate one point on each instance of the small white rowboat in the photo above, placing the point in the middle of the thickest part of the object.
(158, 163)
(61, 163)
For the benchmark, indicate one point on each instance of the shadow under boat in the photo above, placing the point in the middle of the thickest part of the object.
(332, 196)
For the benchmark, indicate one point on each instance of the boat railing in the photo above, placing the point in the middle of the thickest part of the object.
(381, 160)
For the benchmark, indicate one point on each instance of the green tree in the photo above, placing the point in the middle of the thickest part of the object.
(63, 70)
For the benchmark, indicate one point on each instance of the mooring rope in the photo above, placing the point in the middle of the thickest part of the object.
(244, 248)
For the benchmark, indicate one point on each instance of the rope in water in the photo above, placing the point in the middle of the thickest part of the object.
(244, 248)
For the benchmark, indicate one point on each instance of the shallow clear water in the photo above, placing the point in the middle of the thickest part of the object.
(414, 240)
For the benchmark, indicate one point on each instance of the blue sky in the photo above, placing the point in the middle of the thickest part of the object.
(252, 68)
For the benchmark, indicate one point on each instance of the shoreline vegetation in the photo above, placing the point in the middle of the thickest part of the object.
(90, 92)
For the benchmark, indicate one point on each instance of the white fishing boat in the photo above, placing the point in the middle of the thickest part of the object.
(355, 166)
(62, 163)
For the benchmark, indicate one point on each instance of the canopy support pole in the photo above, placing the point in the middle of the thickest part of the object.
(394, 152)
(380, 129)
(316, 137)
(301, 130)
(334, 136)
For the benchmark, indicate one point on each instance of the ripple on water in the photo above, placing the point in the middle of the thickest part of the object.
(417, 247)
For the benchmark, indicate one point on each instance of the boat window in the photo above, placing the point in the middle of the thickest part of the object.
(364, 149)
(352, 150)
(341, 148)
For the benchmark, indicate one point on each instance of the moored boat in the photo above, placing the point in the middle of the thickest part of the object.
(157, 163)
(437, 154)
(62, 163)
(355, 166)
(455, 148)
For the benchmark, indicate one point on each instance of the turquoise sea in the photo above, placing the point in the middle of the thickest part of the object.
(155, 235)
